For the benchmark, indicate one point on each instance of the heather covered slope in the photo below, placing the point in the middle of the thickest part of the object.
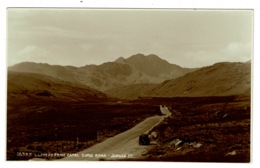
(133, 91)
(26, 86)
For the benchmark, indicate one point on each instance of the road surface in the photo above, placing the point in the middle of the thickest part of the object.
(122, 146)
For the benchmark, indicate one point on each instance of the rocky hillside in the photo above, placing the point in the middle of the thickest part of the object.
(220, 79)
(154, 66)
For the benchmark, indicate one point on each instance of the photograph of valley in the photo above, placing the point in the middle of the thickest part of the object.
(129, 85)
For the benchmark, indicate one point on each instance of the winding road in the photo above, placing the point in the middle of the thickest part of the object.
(122, 146)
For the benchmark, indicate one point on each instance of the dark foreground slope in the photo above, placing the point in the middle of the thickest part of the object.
(39, 128)
(205, 129)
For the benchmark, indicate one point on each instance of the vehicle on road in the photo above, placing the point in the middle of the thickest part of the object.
(144, 139)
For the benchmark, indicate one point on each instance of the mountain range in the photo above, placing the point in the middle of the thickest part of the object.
(122, 72)
(140, 76)
(220, 79)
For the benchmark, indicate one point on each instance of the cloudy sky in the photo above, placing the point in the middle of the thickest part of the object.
(189, 38)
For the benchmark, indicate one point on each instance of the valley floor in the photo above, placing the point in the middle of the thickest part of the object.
(200, 129)
(51, 130)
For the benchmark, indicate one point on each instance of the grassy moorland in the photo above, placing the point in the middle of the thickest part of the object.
(201, 129)
(39, 126)
(208, 129)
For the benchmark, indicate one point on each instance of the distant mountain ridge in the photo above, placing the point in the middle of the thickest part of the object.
(122, 72)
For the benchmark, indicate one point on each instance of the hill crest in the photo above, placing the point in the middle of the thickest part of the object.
(133, 70)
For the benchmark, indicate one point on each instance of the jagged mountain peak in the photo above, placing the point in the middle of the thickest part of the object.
(120, 60)
(139, 58)
(142, 57)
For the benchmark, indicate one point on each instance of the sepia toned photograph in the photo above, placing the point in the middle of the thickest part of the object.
(169, 85)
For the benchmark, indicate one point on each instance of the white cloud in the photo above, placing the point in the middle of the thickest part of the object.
(204, 55)
(233, 48)
(238, 51)
(33, 53)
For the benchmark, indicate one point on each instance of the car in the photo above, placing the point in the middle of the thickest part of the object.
(144, 139)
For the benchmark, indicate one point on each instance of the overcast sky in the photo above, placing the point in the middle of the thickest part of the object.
(189, 38)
